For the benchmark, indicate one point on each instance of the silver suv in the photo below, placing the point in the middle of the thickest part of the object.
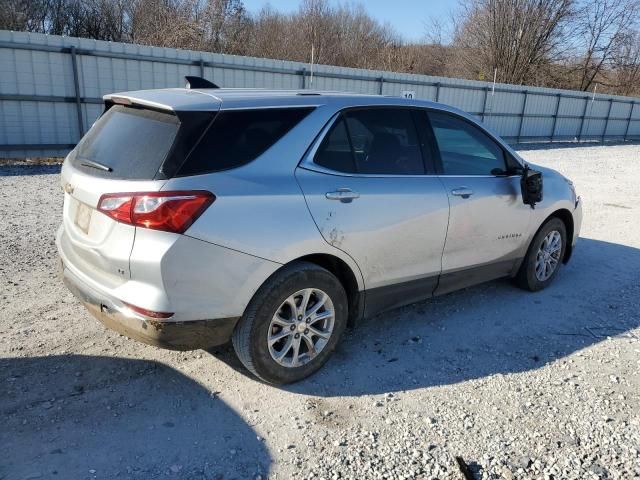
(274, 219)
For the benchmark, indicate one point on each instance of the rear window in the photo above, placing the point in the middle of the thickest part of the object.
(127, 142)
(236, 137)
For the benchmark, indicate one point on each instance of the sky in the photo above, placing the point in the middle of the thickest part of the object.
(408, 17)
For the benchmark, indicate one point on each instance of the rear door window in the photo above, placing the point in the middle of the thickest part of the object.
(236, 137)
(385, 141)
(380, 141)
(335, 153)
(126, 142)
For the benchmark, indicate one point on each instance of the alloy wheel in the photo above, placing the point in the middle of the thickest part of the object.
(548, 255)
(301, 327)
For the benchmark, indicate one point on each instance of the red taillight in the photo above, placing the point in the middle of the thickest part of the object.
(148, 313)
(168, 211)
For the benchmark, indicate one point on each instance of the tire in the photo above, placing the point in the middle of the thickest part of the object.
(527, 277)
(259, 324)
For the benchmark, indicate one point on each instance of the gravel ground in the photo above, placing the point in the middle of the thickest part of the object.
(519, 385)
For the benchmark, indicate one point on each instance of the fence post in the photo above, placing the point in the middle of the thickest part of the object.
(201, 68)
(524, 108)
(626, 131)
(438, 92)
(381, 80)
(584, 113)
(484, 102)
(555, 117)
(304, 78)
(606, 123)
(76, 85)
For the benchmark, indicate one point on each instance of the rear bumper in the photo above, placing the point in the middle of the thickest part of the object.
(174, 335)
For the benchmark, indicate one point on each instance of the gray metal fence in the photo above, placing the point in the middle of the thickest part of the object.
(51, 89)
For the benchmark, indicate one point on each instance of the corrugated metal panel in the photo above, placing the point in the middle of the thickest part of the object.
(39, 69)
(538, 127)
(572, 106)
(506, 102)
(616, 128)
(541, 104)
(467, 100)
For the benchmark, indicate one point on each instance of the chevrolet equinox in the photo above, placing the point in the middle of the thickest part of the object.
(274, 219)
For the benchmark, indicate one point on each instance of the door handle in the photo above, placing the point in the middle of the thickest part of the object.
(463, 192)
(345, 195)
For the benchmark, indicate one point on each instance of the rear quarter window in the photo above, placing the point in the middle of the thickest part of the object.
(237, 137)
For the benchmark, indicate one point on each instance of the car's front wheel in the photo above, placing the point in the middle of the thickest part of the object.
(292, 324)
(544, 256)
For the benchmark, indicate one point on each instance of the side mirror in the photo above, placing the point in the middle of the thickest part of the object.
(531, 186)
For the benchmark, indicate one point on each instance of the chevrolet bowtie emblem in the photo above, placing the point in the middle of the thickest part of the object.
(68, 188)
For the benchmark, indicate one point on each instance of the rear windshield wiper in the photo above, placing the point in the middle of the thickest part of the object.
(99, 166)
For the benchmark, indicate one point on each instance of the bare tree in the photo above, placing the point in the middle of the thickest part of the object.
(315, 25)
(24, 15)
(604, 26)
(514, 36)
(345, 35)
(271, 35)
(164, 23)
(626, 64)
(224, 25)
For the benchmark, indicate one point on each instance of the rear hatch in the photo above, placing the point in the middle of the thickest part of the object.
(130, 148)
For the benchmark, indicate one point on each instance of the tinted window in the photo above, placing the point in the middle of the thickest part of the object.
(384, 141)
(132, 142)
(378, 140)
(335, 152)
(237, 137)
(465, 149)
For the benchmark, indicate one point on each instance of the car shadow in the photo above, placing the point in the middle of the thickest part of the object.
(76, 416)
(494, 328)
(11, 170)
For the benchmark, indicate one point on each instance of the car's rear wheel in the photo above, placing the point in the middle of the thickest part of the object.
(544, 256)
(292, 324)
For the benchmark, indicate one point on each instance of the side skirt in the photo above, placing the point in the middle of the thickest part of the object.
(380, 299)
(398, 294)
(452, 281)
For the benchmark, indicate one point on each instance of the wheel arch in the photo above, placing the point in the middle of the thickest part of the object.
(566, 217)
(347, 277)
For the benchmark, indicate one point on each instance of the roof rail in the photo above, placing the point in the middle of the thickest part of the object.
(198, 82)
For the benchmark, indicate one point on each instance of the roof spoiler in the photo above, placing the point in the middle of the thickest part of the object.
(198, 82)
